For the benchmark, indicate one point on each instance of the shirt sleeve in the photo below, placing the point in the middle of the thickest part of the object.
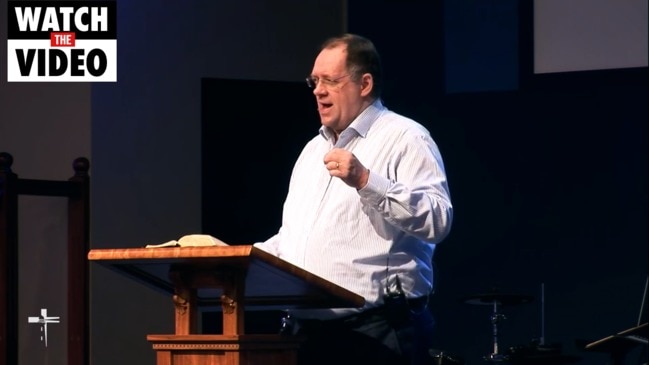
(413, 194)
(270, 245)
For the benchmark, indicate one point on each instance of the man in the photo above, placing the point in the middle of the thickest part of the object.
(368, 201)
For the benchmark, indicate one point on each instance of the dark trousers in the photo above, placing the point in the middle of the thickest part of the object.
(372, 338)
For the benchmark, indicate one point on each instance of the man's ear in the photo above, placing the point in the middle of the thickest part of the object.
(367, 84)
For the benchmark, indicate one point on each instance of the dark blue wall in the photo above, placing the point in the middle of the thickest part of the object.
(548, 174)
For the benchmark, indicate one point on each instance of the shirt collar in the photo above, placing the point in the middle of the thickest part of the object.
(361, 125)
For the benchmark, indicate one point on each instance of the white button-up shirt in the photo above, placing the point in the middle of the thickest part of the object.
(361, 239)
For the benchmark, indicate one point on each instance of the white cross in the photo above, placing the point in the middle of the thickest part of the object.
(43, 319)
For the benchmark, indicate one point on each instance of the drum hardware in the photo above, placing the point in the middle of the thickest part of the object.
(444, 358)
(495, 299)
(537, 354)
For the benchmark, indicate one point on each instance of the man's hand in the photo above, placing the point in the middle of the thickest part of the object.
(344, 165)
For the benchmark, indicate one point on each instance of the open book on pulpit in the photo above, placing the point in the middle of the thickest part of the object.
(191, 240)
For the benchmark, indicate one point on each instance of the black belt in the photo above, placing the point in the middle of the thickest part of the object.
(418, 304)
(375, 313)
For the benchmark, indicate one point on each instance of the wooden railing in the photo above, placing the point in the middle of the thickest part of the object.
(77, 191)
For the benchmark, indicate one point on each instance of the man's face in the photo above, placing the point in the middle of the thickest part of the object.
(338, 97)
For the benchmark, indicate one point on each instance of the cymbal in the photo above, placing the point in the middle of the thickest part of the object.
(498, 298)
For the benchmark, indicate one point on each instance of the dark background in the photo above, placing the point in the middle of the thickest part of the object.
(547, 172)
(548, 176)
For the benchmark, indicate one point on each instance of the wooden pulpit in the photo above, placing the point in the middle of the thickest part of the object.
(234, 279)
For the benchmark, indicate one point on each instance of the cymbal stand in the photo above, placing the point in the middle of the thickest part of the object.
(542, 339)
(495, 318)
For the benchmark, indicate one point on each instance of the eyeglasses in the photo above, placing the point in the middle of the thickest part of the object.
(313, 81)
